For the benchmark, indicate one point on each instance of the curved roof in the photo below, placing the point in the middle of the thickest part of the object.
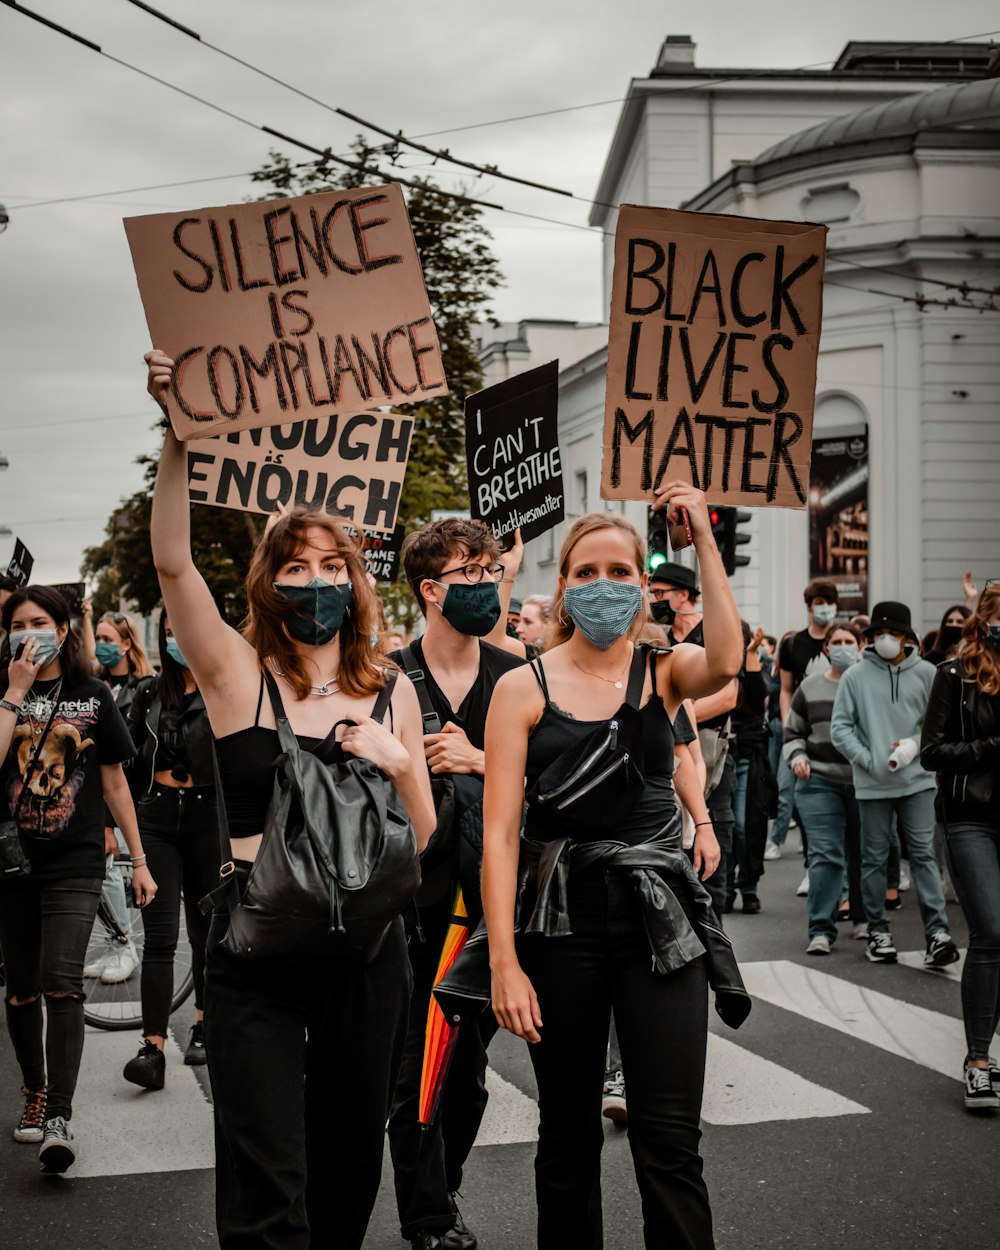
(962, 105)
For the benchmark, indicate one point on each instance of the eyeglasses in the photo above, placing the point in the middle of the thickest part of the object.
(474, 573)
(117, 617)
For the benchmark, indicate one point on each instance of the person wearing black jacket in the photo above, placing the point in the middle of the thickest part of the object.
(961, 743)
(173, 784)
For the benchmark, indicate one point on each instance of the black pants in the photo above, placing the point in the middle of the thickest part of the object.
(44, 930)
(428, 1162)
(303, 1056)
(662, 1025)
(180, 836)
(720, 808)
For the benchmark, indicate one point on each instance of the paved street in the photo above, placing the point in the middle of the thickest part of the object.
(833, 1117)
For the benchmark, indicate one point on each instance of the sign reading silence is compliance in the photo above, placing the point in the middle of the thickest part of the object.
(715, 325)
(351, 466)
(275, 310)
(512, 448)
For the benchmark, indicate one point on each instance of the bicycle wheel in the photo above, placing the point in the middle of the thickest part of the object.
(114, 953)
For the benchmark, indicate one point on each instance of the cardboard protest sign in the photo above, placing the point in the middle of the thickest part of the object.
(276, 310)
(21, 564)
(715, 325)
(512, 447)
(350, 466)
(74, 593)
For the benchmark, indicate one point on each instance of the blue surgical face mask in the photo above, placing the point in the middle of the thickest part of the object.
(321, 610)
(49, 645)
(843, 656)
(175, 653)
(824, 613)
(603, 610)
(108, 653)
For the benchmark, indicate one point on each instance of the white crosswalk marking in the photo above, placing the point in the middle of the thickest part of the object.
(742, 1088)
(510, 1115)
(122, 1129)
(915, 959)
(926, 1037)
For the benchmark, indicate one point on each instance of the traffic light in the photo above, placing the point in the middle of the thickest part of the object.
(656, 538)
(729, 536)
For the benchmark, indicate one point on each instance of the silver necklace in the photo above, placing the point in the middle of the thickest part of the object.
(329, 687)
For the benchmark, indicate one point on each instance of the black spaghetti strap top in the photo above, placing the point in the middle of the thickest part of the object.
(556, 731)
(247, 762)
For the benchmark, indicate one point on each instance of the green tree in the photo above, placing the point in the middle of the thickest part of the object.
(461, 273)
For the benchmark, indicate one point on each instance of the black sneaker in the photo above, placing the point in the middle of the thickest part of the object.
(751, 905)
(979, 1092)
(195, 1054)
(31, 1126)
(58, 1149)
(880, 948)
(613, 1105)
(148, 1068)
(941, 950)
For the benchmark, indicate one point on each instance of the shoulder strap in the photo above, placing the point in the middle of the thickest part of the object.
(416, 674)
(285, 736)
(384, 699)
(260, 700)
(536, 668)
(636, 677)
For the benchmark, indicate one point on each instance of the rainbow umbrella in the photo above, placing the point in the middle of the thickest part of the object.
(440, 1038)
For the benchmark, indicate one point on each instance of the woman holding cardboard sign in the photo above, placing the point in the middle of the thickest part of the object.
(613, 915)
(296, 997)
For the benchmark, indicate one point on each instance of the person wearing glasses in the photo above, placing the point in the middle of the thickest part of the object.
(960, 741)
(303, 1051)
(119, 659)
(613, 915)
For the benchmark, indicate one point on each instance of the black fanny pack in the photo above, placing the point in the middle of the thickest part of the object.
(337, 863)
(588, 788)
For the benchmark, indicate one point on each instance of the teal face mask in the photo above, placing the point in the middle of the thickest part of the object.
(320, 608)
(472, 610)
(175, 653)
(603, 610)
(108, 654)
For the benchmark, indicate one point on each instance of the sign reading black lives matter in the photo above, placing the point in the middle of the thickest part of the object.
(512, 446)
(715, 325)
(351, 466)
(281, 310)
(21, 564)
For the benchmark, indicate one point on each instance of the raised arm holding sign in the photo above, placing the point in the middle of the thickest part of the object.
(715, 325)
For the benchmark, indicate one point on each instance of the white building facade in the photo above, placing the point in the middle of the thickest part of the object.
(907, 176)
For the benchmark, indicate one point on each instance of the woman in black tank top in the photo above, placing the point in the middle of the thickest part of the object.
(281, 1032)
(612, 914)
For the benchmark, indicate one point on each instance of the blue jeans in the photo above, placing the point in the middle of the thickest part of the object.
(915, 815)
(786, 786)
(828, 810)
(737, 872)
(974, 855)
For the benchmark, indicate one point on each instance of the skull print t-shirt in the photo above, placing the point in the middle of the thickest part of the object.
(61, 816)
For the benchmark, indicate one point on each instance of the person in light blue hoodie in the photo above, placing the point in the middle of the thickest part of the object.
(877, 717)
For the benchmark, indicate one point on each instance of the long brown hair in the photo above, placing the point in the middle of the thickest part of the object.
(362, 670)
(979, 657)
(562, 626)
(136, 657)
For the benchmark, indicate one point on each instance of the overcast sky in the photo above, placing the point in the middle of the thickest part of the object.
(73, 410)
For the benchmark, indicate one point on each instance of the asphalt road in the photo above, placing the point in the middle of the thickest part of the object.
(834, 1116)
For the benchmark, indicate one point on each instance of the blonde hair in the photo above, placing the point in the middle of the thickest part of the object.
(362, 670)
(562, 629)
(124, 627)
(978, 656)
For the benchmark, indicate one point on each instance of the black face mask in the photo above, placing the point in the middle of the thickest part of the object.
(472, 610)
(662, 612)
(950, 636)
(321, 608)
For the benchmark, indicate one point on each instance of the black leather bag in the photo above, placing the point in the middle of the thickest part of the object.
(14, 862)
(585, 791)
(338, 861)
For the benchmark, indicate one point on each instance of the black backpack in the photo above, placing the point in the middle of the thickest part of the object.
(338, 861)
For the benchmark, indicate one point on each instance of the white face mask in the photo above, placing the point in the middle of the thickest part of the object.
(887, 646)
(823, 613)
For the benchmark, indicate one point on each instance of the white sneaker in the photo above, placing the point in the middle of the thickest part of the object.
(58, 1149)
(772, 850)
(613, 1105)
(803, 889)
(122, 962)
(819, 945)
(905, 880)
(95, 968)
(860, 932)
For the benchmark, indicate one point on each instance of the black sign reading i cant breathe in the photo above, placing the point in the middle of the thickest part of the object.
(512, 448)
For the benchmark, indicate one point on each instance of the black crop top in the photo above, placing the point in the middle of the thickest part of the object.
(556, 731)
